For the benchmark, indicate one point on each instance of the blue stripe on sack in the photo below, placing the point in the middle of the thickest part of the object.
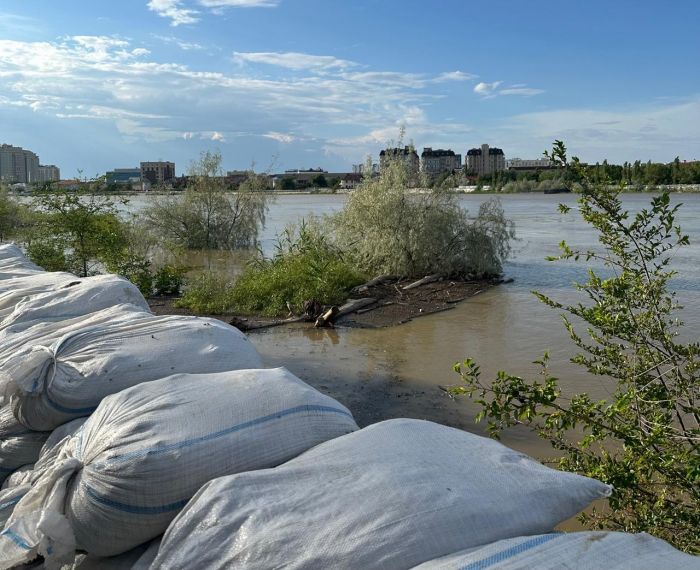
(17, 539)
(227, 431)
(10, 503)
(65, 410)
(187, 443)
(176, 506)
(510, 552)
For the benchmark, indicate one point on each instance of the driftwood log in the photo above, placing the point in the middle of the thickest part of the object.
(372, 282)
(427, 279)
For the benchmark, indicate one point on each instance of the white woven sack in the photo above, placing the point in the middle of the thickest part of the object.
(10, 251)
(20, 476)
(13, 263)
(18, 445)
(139, 558)
(146, 450)
(573, 551)
(79, 298)
(390, 496)
(15, 339)
(51, 385)
(60, 433)
(12, 291)
(9, 499)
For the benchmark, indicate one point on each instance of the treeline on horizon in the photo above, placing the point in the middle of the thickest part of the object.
(636, 175)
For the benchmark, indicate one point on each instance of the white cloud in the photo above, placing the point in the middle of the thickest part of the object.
(490, 90)
(486, 89)
(217, 136)
(173, 10)
(454, 76)
(292, 60)
(183, 45)
(525, 91)
(280, 137)
(657, 131)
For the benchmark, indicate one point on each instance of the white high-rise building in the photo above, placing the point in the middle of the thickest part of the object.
(18, 165)
(48, 173)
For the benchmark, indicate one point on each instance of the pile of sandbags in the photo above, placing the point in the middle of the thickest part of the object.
(573, 551)
(391, 496)
(13, 263)
(13, 291)
(19, 446)
(147, 450)
(50, 385)
(76, 298)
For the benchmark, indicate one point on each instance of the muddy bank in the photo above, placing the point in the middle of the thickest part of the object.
(387, 302)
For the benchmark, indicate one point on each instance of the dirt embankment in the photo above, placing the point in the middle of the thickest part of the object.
(384, 302)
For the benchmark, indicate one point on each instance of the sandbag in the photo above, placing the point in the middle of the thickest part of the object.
(9, 498)
(10, 250)
(17, 338)
(390, 496)
(61, 433)
(20, 476)
(12, 291)
(24, 335)
(146, 450)
(13, 263)
(51, 385)
(139, 558)
(573, 551)
(79, 298)
(18, 445)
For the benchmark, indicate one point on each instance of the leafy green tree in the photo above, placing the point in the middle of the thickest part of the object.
(644, 439)
(320, 181)
(385, 228)
(75, 232)
(209, 216)
(10, 215)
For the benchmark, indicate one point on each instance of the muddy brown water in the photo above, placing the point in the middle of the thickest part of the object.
(398, 371)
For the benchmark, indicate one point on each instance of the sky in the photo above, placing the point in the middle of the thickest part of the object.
(283, 84)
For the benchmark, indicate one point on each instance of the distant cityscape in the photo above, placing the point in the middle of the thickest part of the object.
(21, 169)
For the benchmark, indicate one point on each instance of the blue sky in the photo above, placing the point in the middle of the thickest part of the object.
(99, 84)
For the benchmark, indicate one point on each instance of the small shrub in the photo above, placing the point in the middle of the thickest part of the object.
(208, 293)
(49, 256)
(305, 267)
(168, 280)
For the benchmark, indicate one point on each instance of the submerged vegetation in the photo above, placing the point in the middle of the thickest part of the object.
(645, 438)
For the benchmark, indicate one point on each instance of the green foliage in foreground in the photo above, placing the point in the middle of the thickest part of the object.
(645, 438)
(208, 294)
(305, 267)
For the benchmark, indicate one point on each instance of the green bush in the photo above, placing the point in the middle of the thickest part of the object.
(168, 280)
(49, 256)
(305, 267)
(643, 436)
(208, 293)
(386, 228)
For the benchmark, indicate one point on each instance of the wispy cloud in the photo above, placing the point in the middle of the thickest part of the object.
(455, 76)
(173, 10)
(182, 44)
(490, 90)
(292, 60)
(218, 137)
(280, 137)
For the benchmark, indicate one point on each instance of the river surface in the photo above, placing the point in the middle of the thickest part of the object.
(398, 371)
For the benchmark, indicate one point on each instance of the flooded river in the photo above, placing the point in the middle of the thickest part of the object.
(398, 371)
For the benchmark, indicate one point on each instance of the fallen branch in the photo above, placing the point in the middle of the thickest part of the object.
(427, 279)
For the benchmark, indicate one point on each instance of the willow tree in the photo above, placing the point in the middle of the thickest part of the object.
(389, 227)
(209, 215)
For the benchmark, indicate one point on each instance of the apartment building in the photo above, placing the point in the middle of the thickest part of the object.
(18, 165)
(485, 160)
(408, 155)
(157, 172)
(48, 173)
(438, 161)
